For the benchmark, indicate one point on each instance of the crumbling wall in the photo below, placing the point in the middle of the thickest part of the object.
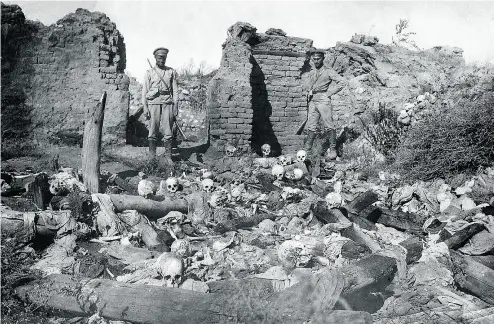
(272, 109)
(256, 96)
(56, 74)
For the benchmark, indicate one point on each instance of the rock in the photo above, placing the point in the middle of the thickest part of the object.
(275, 32)
(420, 98)
(467, 203)
(242, 31)
(194, 285)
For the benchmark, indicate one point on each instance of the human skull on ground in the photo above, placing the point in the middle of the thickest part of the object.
(171, 268)
(278, 171)
(180, 248)
(266, 150)
(293, 254)
(207, 185)
(218, 198)
(146, 188)
(301, 155)
(296, 174)
(230, 150)
(172, 184)
(285, 160)
(334, 200)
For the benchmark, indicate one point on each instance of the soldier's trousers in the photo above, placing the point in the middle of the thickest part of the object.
(161, 121)
(320, 109)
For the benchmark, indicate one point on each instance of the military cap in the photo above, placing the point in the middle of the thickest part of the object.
(317, 51)
(160, 49)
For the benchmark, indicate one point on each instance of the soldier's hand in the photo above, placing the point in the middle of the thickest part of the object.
(147, 114)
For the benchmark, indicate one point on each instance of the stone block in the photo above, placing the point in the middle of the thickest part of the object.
(235, 120)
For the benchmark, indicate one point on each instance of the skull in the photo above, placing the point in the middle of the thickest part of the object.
(293, 254)
(301, 155)
(180, 248)
(237, 191)
(206, 174)
(57, 187)
(230, 150)
(218, 198)
(297, 174)
(266, 150)
(171, 268)
(334, 200)
(285, 160)
(278, 171)
(207, 185)
(172, 184)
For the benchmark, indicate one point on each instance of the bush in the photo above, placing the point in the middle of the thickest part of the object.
(458, 140)
(384, 132)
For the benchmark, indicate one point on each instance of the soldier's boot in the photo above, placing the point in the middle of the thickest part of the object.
(332, 154)
(152, 149)
(167, 156)
(309, 142)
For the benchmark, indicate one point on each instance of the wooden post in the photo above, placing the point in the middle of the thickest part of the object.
(91, 147)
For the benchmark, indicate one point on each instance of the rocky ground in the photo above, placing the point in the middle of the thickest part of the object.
(246, 219)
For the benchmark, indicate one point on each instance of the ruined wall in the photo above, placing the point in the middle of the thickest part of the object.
(256, 96)
(56, 74)
(273, 107)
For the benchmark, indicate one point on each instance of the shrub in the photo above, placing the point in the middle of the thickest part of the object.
(458, 140)
(384, 132)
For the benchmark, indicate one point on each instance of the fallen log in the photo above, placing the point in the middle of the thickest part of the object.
(408, 222)
(460, 237)
(14, 223)
(91, 147)
(152, 209)
(41, 191)
(487, 260)
(473, 276)
(148, 304)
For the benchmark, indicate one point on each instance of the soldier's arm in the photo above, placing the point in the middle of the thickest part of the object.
(145, 89)
(175, 87)
(337, 84)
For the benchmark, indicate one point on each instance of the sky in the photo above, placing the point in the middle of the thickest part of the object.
(195, 30)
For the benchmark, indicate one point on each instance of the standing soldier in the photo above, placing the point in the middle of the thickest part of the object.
(160, 101)
(323, 82)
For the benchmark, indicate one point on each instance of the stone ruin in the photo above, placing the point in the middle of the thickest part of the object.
(53, 76)
(257, 97)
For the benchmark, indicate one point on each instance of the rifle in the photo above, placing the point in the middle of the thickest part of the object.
(300, 129)
(168, 89)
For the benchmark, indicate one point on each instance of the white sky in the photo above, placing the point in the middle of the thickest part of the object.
(196, 29)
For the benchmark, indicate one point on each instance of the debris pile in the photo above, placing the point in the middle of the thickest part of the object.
(344, 247)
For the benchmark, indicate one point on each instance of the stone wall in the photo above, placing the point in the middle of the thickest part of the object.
(257, 96)
(56, 74)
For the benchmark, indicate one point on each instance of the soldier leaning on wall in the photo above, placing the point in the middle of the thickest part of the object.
(322, 83)
(160, 101)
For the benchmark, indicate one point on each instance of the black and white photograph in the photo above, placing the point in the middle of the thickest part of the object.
(196, 162)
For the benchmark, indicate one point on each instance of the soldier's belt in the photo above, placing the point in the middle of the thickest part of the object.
(318, 91)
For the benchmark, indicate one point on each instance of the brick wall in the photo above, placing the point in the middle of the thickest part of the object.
(256, 97)
(56, 74)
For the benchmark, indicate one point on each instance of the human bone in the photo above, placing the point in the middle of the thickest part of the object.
(171, 268)
(268, 226)
(293, 254)
(218, 199)
(181, 248)
(172, 184)
(278, 171)
(266, 150)
(301, 155)
(285, 160)
(297, 174)
(230, 150)
(146, 188)
(334, 200)
(206, 174)
(207, 185)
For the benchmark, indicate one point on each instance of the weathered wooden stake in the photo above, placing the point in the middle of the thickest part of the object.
(91, 147)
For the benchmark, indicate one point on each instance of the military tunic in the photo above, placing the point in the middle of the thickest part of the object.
(322, 83)
(160, 97)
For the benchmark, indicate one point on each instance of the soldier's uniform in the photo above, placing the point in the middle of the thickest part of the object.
(160, 95)
(322, 83)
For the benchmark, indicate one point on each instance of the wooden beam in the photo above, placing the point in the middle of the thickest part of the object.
(91, 147)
